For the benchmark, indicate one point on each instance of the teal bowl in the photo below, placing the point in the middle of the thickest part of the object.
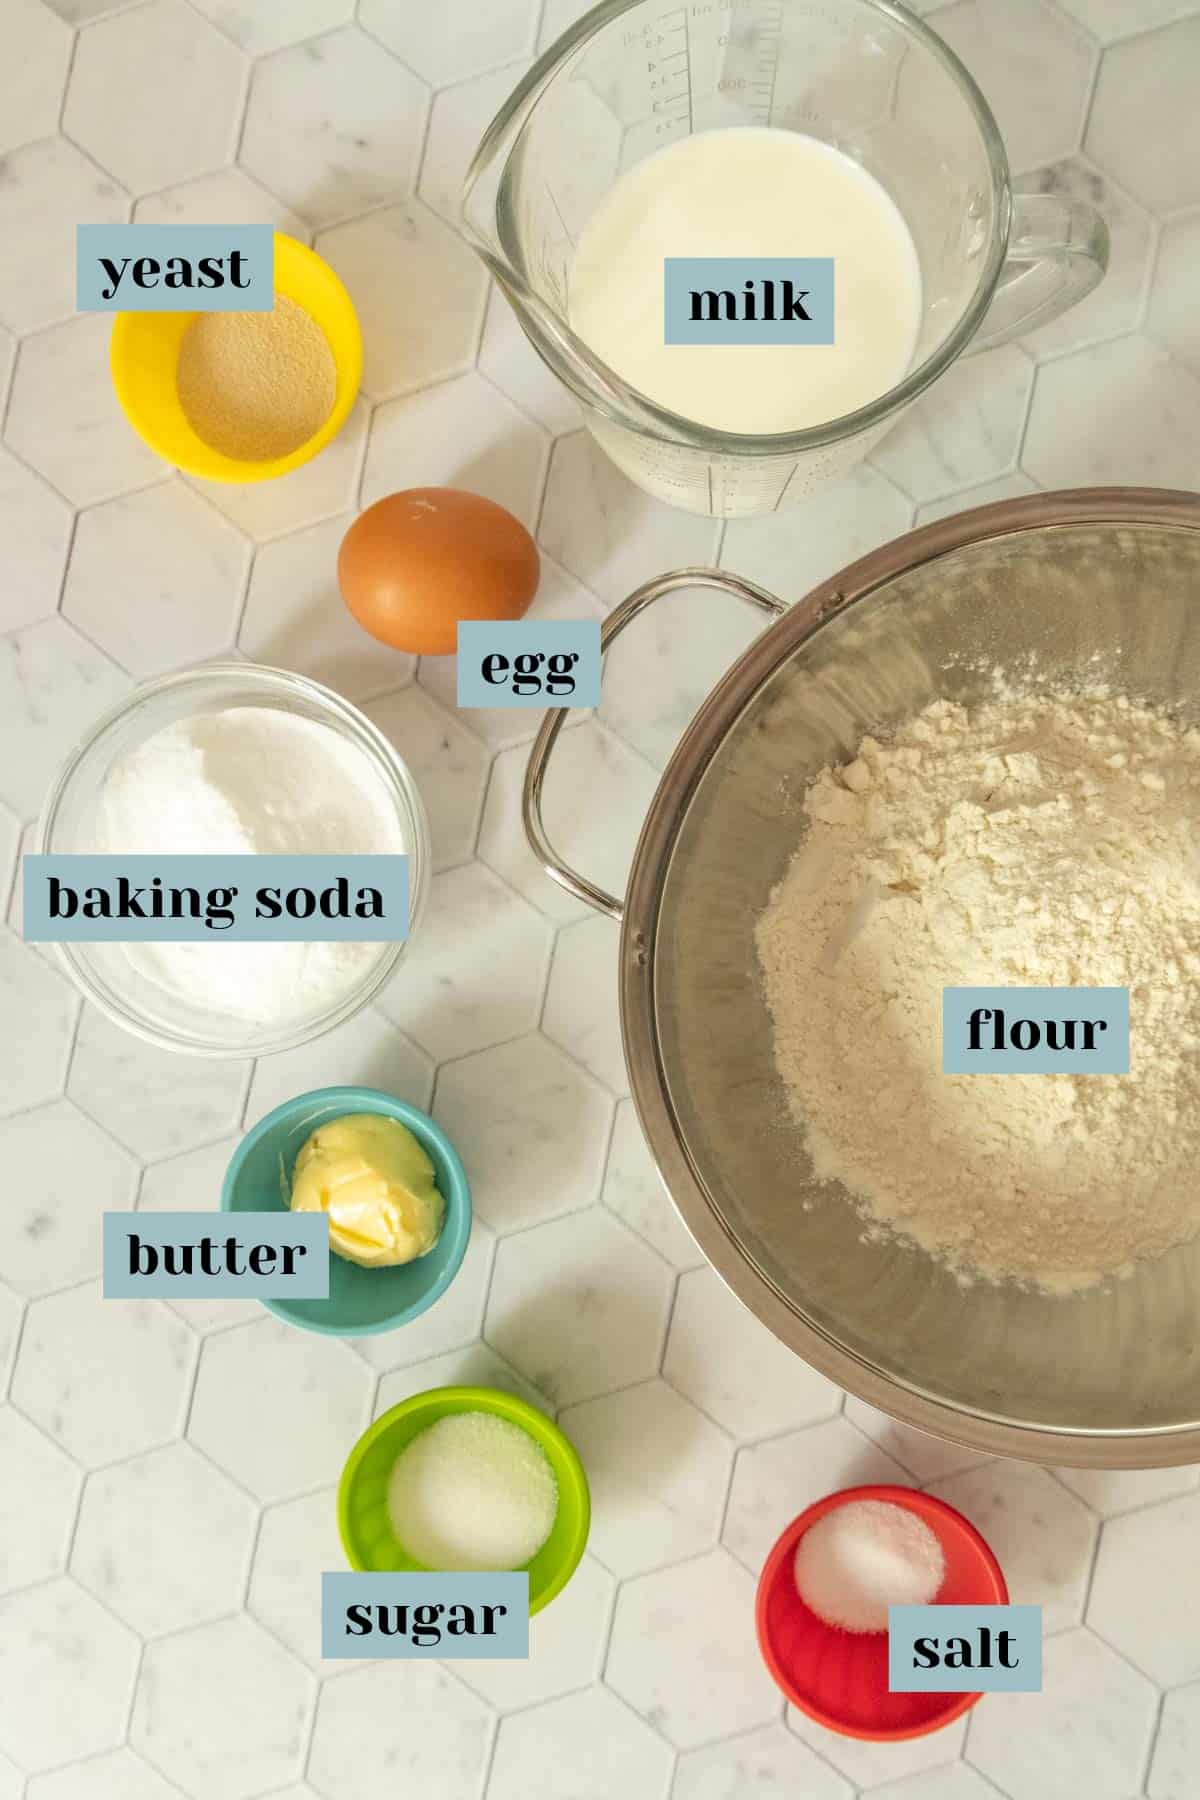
(360, 1301)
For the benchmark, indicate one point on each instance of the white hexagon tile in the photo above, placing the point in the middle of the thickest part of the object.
(167, 1496)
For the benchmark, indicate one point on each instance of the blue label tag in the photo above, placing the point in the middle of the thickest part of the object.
(748, 300)
(527, 662)
(174, 268)
(215, 899)
(964, 1649)
(183, 1255)
(423, 1614)
(1035, 1031)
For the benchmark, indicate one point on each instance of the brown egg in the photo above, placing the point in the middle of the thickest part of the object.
(415, 563)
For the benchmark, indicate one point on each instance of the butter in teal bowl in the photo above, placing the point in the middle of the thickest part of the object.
(360, 1301)
(365, 1524)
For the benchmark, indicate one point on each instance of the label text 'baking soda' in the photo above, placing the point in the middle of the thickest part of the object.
(231, 899)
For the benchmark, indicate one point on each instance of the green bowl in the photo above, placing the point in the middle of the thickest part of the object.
(360, 1301)
(366, 1530)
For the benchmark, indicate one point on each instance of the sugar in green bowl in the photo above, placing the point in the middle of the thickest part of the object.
(363, 1520)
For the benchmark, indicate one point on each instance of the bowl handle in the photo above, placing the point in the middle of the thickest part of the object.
(539, 756)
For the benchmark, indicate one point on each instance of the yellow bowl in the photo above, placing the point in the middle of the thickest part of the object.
(144, 352)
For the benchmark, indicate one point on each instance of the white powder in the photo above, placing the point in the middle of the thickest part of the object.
(861, 1558)
(473, 1491)
(1030, 843)
(246, 781)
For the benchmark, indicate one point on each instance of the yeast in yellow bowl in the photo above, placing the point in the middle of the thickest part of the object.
(372, 1177)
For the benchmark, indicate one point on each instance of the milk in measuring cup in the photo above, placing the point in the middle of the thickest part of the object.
(749, 191)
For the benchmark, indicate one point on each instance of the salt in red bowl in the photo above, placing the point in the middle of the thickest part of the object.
(840, 1678)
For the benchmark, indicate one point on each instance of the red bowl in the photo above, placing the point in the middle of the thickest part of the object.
(840, 1678)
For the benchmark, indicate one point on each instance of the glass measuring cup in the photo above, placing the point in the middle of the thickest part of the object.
(862, 75)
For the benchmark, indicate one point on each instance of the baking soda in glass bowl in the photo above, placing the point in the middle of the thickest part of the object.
(237, 760)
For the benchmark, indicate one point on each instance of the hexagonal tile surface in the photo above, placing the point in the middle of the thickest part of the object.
(49, 181)
(922, 1455)
(1116, 305)
(473, 923)
(452, 1324)
(658, 1471)
(1138, 1600)
(579, 1012)
(460, 116)
(448, 763)
(419, 292)
(1035, 70)
(155, 98)
(37, 527)
(867, 1764)
(1172, 317)
(171, 1509)
(1112, 1491)
(120, 1775)
(1143, 103)
(33, 1063)
(295, 618)
(774, 1481)
(130, 591)
(584, 1744)
(261, 28)
(38, 1500)
(224, 1707)
(756, 1385)
(104, 1378)
(52, 684)
(763, 1762)
(596, 796)
(367, 1050)
(153, 1103)
(416, 1729)
(512, 364)
(635, 1191)
(461, 433)
(966, 429)
(792, 551)
(253, 1414)
(56, 1641)
(226, 194)
(684, 1654)
(1005, 487)
(607, 532)
(453, 41)
(1123, 411)
(11, 1314)
(1042, 1536)
(63, 417)
(567, 1642)
(316, 490)
(578, 1305)
(334, 126)
(953, 1781)
(1177, 1748)
(531, 1127)
(50, 1229)
(1088, 1731)
(472, 1365)
(37, 52)
(296, 1540)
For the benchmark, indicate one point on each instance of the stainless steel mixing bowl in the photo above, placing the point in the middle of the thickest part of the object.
(1102, 582)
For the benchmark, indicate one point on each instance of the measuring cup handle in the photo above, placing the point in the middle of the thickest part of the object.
(539, 756)
(1057, 252)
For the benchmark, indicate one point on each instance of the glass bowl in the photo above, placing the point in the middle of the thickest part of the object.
(102, 972)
